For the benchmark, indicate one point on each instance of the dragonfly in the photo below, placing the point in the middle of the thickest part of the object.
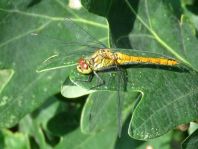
(103, 59)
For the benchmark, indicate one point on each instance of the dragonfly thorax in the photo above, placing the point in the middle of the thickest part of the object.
(84, 66)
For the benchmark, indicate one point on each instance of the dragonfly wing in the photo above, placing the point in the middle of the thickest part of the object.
(134, 52)
(64, 58)
(81, 31)
(68, 42)
(56, 61)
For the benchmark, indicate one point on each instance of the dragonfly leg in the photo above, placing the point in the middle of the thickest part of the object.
(101, 81)
(90, 77)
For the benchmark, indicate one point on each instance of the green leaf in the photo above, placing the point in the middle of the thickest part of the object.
(30, 33)
(57, 117)
(162, 142)
(32, 128)
(98, 7)
(117, 14)
(169, 99)
(190, 9)
(103, 107)
(173, 38)
(168, 95)
(5, 76)
(193, 127)
(192, 141)
(35, 124)
(10, 140)
(103, 139)
(69, 89)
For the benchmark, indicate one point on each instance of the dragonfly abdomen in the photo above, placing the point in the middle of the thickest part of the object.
(126, 59)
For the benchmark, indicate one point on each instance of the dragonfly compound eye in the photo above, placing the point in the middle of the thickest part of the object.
(83, 66)
(81, 61)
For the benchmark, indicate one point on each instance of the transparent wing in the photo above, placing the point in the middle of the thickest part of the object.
(64, 58)
(83, 33)
(134, 52)
(69, 41)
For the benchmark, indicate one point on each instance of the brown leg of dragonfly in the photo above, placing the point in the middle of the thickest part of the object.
(101, 82)
(90, 77)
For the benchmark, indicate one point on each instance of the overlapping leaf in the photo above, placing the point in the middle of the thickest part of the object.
(169, 95)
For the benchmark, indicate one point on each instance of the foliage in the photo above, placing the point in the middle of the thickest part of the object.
(34, 114)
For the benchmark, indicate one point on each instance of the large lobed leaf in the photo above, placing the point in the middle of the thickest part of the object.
(169, 95)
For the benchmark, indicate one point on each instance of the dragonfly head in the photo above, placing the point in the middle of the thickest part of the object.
(83, 66)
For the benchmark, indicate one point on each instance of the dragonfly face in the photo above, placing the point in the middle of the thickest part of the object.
(84, 66)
